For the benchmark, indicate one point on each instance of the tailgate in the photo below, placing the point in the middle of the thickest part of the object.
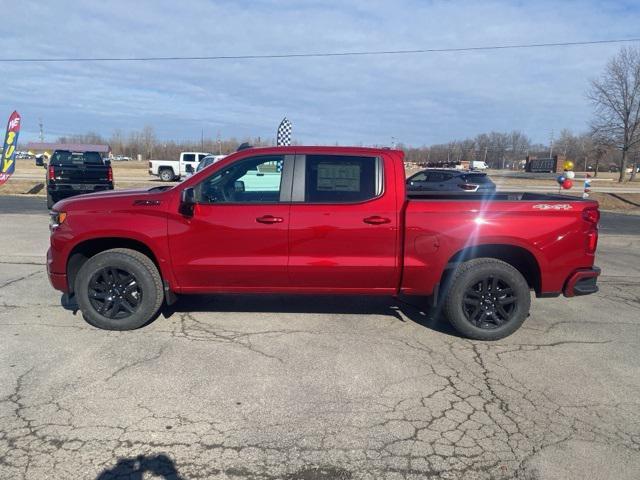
(81, 173)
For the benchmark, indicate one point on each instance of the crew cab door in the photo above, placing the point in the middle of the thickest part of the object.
(343, 225)
(236, 239)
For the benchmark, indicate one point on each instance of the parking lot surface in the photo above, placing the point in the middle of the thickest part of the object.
(279, 387)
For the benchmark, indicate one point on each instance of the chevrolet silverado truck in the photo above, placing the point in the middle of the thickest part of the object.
(170, 170)
(321, 220)
(74, 173)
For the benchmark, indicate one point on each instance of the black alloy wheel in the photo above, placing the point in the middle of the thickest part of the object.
(489, 303)
(115, 292)
(486, 299)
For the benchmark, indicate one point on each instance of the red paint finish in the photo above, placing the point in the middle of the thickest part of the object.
(224, 247)
(348, 246)
(556, 239)
(385, 245)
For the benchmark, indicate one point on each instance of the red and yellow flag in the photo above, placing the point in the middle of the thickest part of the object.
(8, 162)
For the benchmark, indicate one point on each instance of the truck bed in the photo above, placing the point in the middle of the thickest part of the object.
(548, 230)
(499, 196)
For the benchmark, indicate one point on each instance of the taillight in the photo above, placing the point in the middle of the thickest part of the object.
(591, 215)
(110, 175)
(592, 241)
(52, 174)
(470, 187)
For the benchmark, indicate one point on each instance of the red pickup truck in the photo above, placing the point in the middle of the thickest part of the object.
(321, 220)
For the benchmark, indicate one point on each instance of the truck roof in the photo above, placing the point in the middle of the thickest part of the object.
(325, 149)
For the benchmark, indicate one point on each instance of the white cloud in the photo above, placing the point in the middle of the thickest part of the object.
(415, 98)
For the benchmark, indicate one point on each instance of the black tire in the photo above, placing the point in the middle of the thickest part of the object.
(51, 201)
(487, 299)
(125, 299)
(166, 175)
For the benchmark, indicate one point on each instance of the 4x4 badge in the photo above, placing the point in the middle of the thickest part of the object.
(553, 206)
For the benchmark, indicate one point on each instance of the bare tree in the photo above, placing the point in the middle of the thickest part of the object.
(148, 137)
(616, 98)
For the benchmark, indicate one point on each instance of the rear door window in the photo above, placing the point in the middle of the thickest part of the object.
(439, 176)
(189, 157)
(341, 179)
(65, 157)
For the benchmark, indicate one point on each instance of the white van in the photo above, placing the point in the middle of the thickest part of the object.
(478, 165)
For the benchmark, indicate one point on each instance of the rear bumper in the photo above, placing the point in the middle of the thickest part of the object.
(582, 282)
(77, 189)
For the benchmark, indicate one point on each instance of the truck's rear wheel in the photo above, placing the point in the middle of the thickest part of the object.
(166, 175)
(487, 299)
(119, 289)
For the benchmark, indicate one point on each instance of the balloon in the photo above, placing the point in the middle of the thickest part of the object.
(570, 174)
(561, 179)
(568, 165)
(567, 184)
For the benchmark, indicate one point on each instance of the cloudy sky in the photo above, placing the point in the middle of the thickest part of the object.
(417, 99)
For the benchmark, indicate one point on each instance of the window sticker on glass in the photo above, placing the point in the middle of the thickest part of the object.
(338, 177)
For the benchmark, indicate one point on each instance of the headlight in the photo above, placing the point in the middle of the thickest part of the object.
(56, 219)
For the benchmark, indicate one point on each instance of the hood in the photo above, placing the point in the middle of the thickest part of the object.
(109, 198)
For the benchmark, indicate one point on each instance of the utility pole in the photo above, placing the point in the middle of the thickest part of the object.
(202, 139)
(219, 143)
(551, 146)
(41, 130)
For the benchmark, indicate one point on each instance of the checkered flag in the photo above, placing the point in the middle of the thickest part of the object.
(283, 137)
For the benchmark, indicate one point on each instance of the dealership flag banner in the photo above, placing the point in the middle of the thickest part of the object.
(283, 138)
(8, 163)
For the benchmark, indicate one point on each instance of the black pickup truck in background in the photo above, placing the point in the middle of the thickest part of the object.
(74, 173)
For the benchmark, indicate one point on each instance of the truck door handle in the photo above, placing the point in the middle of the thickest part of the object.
(269, 219)
(376, 220)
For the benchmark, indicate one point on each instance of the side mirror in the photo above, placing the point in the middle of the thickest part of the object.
(238, 186)
(107, 162)
(187, 202)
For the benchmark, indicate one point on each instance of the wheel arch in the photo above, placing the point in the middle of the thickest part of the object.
(165, 168)
(86, 249)
(518, 257)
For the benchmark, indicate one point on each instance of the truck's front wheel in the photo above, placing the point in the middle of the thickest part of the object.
(119, 289)
(487, 299)
(51, 200)
(166, 175)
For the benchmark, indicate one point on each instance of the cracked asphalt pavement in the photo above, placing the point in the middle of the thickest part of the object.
(317, 388)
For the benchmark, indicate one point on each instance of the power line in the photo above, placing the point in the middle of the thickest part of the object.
(318, 54)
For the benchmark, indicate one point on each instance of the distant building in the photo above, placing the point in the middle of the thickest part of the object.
(37, 148)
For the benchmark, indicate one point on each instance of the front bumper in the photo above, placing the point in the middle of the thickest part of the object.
(57, 280)
(582, 282)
